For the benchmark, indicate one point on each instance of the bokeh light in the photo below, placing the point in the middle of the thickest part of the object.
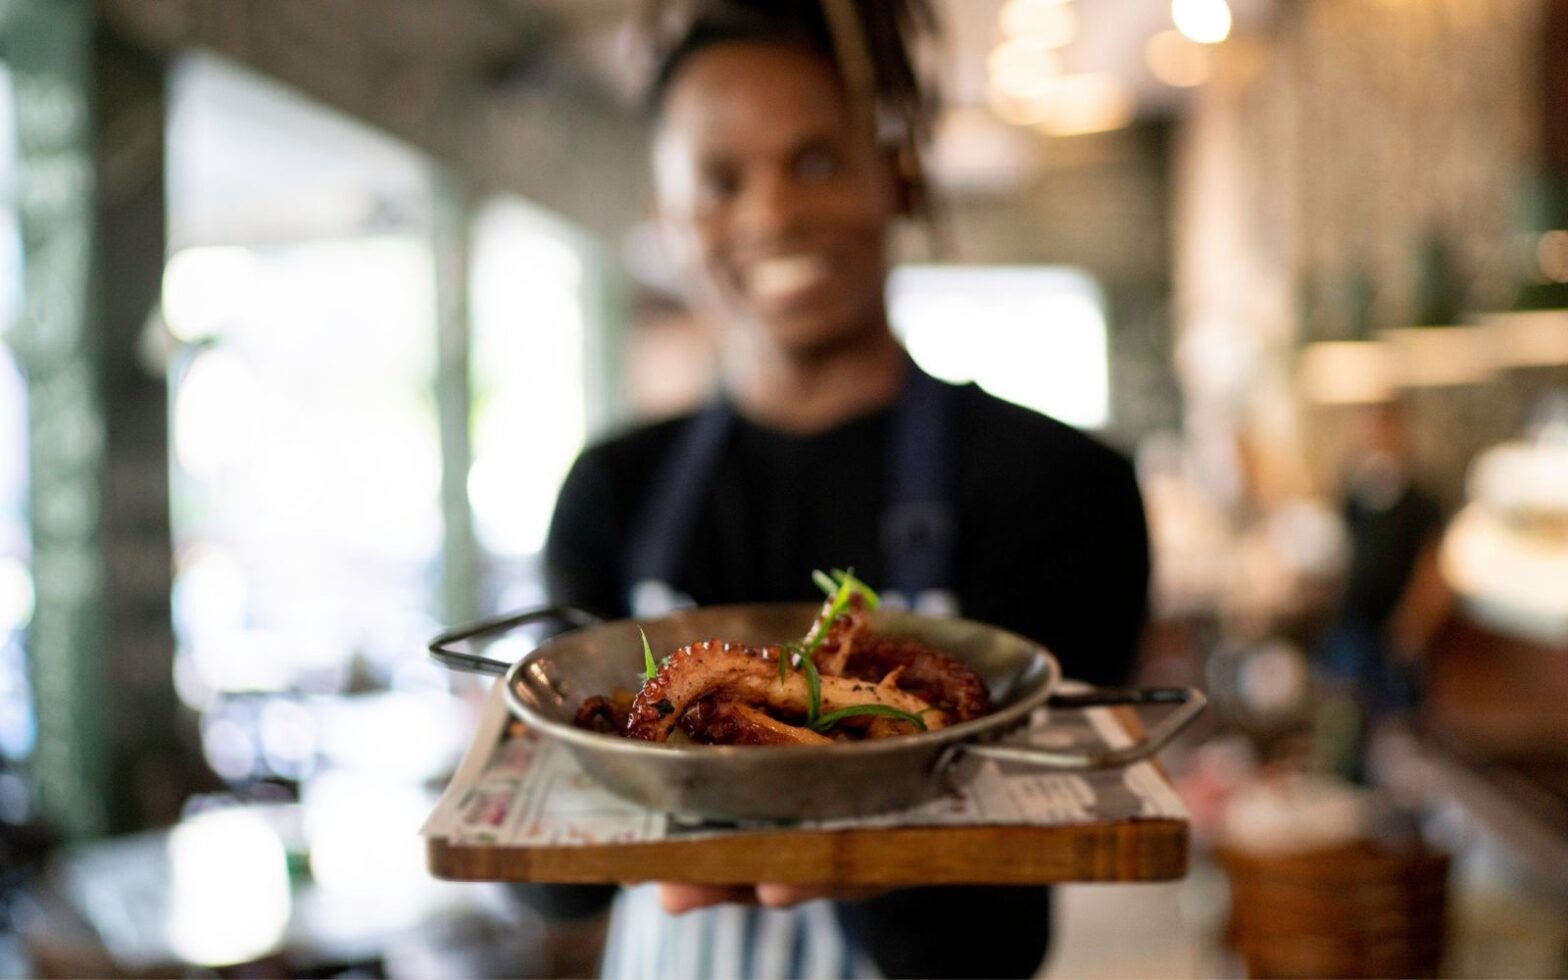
(205, 289)
(1204, 21)
(1053, 23)
(1176, 59)
(229, 899)
(1024, 69)
(1089, 102)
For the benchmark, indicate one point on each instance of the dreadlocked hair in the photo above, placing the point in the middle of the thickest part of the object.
(871, 44)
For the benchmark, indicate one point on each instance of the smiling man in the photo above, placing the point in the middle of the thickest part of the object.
(780, 206)
(785, 135)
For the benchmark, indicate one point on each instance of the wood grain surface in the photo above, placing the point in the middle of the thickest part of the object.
(1125, 850)
(1131, 849)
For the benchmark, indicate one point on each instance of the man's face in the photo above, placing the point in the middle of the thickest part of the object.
(777, 199)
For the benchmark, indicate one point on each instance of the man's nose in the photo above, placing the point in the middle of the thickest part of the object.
(773, 206)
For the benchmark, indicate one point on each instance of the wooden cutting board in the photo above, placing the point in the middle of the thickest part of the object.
(1130, 848)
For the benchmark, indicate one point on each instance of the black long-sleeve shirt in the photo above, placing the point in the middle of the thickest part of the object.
(1050, 535)
(1049, 542)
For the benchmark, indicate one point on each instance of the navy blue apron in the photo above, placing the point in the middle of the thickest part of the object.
(917, 547)
(917, 528)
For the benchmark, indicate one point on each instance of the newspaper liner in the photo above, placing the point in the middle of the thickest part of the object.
(524, 790)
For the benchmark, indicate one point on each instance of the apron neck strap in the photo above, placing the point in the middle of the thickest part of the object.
(917, 527)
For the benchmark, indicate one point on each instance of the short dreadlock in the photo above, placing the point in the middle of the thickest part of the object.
(870, 43)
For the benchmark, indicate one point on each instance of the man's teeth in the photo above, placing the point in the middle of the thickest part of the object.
(782, 276)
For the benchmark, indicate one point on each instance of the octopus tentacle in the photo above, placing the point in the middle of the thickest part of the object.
(934, 676)
(841, 636)
(723, 721)
(601, 714)
(751, 676)
(850, 649)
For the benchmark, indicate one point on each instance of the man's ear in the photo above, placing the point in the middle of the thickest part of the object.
(904, 177)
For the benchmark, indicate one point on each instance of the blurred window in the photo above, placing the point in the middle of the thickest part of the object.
(307, 463)
(17, 722)
(299, 300)
(17, 725)
(1032, 335)
(529, 313)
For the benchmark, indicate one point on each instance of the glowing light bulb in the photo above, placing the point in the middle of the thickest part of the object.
(1205, 21)
(1176, 59)
(1090, 102)
(1053, 23)
(1024, 69)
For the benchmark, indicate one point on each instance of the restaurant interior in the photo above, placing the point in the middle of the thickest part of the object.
(1303, 262)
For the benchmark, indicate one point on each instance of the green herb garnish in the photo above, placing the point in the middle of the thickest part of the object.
(848, 587)
(832, 718)
(785, 650)
(824, 582)
(647, 656)
(841, 587)
(813, 690)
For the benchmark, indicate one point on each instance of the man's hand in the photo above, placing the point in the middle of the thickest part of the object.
(677, 899)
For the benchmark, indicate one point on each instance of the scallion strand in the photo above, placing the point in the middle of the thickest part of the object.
(824, 582)
(647, 656)
(832, 718)
(813, 691)
(848, 587)
(784, 653)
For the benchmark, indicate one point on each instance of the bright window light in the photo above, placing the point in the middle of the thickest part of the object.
(1034, 336)
(18, 725)
(205, 289)
(529, 414)
(16, 597)
(307, 485)
(13, 455)
(228, 888)
(302, 308)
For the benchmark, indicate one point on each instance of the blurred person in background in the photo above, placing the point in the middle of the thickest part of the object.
(1394, 597)
(785, 144)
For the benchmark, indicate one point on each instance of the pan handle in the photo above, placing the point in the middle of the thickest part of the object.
(1190, 702)
(440, 646)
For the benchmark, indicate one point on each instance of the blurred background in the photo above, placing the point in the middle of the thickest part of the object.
(307, 305)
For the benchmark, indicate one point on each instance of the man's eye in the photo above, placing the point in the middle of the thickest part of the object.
(720, 184)
(816, 164)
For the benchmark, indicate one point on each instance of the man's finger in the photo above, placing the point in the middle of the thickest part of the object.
(683, 898)
(782, 896)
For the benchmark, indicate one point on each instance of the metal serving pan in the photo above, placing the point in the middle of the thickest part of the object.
(545, 687)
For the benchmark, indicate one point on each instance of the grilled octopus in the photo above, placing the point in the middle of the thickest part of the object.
(722, 721)
(730, 694)
(751, 676)
(939, 679)
(851, 649)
